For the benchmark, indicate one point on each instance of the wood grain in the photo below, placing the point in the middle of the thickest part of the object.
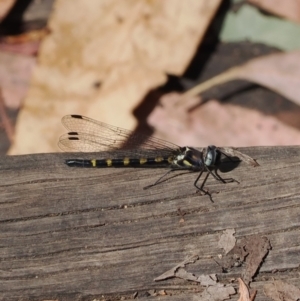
(79, 234)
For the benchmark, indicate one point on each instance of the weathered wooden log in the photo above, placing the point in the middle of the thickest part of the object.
(79, 234)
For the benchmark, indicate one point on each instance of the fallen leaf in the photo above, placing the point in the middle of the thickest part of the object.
(185, 120)
(244, 291)
(216, 293)
(5, 121)
(207, 280)
(179, 272)
(33, 35)
(235, 257)
(258, 248)
(102, 57)
(227, 240)
(279, 72)
(289, 9)
(152, 293)
(221, 125)
(29, 48)
(251, 250)
(172, 272)
(15, 73)
(204, 280)
(280, 290)
(183, 274)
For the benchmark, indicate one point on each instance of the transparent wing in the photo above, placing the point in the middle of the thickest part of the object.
(81, 142)
(232, 152)
(89, 135)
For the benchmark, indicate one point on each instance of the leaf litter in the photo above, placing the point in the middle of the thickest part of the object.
(289, 9)
(227, 240)
(106, 55)
(191, 123)
(249, 250)
(279, 72)
(279, 290)
(213, 289)
(187, 120)
(244, 292)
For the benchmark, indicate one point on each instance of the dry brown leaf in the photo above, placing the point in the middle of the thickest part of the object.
(243, 291)
(228, 125)
(289, 9)
(30, 36)
(216, 293)
(227, 240)
(29, 48)
(222, 125)
(172, 272)
(205, 280)
(279, 72)
(279, 290)
(258, 247)
(15, 72)
(6, 124)
(102, 57)
(213, 291)
(235, 257)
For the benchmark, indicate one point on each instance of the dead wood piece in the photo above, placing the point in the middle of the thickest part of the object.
(71, 234)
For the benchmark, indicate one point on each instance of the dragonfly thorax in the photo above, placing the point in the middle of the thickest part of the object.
(188, 158)
(191, 158)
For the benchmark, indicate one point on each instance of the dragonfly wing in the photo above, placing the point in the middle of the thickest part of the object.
(82, 124)
(100, 136)
(232, 152)
(82, 142)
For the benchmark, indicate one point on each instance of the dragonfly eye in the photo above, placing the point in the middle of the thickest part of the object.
(211, 155)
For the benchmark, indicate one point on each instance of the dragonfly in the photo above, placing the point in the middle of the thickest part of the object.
(89, 135)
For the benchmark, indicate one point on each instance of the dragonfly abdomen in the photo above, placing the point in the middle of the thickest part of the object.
(121, 162)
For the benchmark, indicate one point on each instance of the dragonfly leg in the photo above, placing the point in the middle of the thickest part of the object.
(228, 180)
(201, 187)
(159, 180)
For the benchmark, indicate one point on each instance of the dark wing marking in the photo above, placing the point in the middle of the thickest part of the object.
(89, 135)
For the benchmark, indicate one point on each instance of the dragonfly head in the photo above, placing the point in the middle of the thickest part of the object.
(211, 155)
